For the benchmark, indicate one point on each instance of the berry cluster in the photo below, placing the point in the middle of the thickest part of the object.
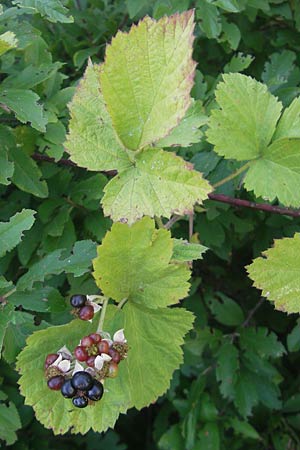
(80, 376)
(83, 308)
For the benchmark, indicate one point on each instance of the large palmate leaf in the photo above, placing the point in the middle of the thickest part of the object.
(246, 121)
(243, 129)
(147, 77)
(277, 274)
(7, 41)
(154, 353)
(134, 263)
(158, 184)
(11, 232)
(92, 142)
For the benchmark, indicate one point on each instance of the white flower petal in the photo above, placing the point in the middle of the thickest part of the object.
(64, 365)
(95, 306)
(91, 298)
(105, 336)
(57, 361)
(78, 368)
(98, 362)
(105, 357)
(65, 352)
(119, 336)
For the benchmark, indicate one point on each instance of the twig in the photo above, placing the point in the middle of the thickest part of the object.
(252, 312)
(171, 222)
(102, 315)
(260, 206)
(191, 225)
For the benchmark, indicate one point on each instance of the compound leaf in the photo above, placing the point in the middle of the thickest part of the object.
(11, 232)
(142, 270)
(92, 142)
(277, 274)
(147, 77)
(159, 184)
(245, 123)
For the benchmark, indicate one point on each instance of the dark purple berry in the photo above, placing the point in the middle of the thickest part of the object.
(80, 353)
(86, 341)
(96, 337)
(67, 389)
(113, 369)
(115, 355)
(96, 391)
(82, 381)
(78, 301)
(80, 402)
(103, 347)
(86, 312)
(55, 383)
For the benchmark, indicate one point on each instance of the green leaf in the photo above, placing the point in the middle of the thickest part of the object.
(52, 264)
(246, 396)
(225, 310)
(289, 123)
(278, 69)
(159, 184)
(209, 19)
(6, 312)
(243, 428)
(209, 437)
(147, 77)
(155, 352)
(187, 132)
(276, 174)
(246, 122)
(31, 76)
(227, 369)
(7, 41)
(24, 103)
(277, 274)
(9, 422)
(92, 142)
(53, 10)
(11, 232)
(259, 340)
(143, 272)
(135, 6)
(238, 63)
(172, 439)
(232, 6)
(27, 175)
(293, 338)
(232, 34)
(6, 167)
(184, 251)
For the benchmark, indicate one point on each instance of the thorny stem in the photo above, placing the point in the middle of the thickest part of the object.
(252, 312)
(232, 175)
(102, 315)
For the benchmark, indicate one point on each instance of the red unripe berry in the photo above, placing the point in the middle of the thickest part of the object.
(113, 369)
(86, 341)
(86, 312)
(103, 347)
(80, 353)
(115, 355)
(55, 383)
(91, 361)
(50, 359)
(96, 337)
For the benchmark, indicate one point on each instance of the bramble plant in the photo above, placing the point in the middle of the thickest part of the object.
(166, 145)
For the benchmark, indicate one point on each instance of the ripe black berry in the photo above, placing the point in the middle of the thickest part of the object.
(96, 391)
(67, 389)
(80, 402)
(78, 301)
(55, 383)
(86, 312)
(82, 381)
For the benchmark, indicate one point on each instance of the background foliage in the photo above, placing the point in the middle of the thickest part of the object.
(239, 384)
